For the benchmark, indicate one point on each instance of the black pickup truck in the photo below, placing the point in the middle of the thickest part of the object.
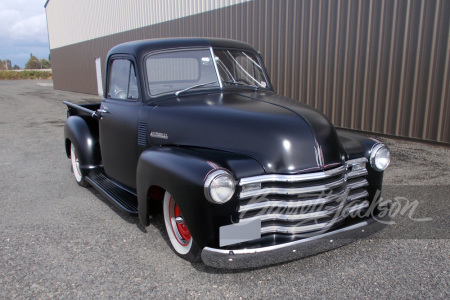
(244, 177)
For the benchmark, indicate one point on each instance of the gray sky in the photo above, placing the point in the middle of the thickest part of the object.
(23, 30)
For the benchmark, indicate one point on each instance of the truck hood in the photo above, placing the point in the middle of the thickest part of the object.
(283, 135)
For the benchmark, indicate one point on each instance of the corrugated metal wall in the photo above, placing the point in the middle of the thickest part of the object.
(71, 22)
(380, 66)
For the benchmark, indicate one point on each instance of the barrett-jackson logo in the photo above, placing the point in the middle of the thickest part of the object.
(159, 135)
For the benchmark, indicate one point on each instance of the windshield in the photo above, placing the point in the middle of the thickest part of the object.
(237, 67)
(181, 71)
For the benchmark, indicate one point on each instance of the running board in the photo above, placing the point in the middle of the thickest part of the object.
(120, 197)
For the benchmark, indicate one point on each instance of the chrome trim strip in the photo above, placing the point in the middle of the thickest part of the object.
(298, 217)
(303, 177)
(293, 178)
(293, 191)
(358, 184)
(357, 196)
(299, 229)
(359, 173)
(290, 204)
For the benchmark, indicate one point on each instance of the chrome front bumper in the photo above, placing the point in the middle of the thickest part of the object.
(256, 257)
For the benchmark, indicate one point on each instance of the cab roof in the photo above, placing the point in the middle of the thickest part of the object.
(142, 47)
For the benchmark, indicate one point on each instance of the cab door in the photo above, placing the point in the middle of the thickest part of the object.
(119, 122)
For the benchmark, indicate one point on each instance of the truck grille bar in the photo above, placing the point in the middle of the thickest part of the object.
(304, 203)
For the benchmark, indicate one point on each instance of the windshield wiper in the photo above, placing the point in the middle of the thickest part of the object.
(241, 84)
(193, 87)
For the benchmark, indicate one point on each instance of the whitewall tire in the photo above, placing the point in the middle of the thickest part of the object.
(79, 177)
(177, 231)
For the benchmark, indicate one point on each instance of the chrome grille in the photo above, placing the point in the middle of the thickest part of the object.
(304, 203)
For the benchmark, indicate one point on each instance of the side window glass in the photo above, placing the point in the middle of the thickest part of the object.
(123, 82)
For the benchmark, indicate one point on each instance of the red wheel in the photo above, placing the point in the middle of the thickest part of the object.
(177, 230)
(184, 236)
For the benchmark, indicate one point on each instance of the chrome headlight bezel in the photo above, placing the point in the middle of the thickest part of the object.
(380, 157)
(212, 182)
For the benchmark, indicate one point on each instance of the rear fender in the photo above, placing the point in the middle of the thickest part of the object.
(83, 133)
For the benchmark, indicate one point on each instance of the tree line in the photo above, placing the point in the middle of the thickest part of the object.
(32, 63)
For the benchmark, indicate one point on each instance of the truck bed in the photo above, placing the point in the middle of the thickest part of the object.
(81, 110)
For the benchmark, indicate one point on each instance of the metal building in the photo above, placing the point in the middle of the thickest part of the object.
(378, 66)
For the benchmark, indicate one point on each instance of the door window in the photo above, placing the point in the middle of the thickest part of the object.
(123, 82)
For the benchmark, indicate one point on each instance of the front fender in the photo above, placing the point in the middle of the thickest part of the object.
(356, 146)
(182, 172)
(83, 133)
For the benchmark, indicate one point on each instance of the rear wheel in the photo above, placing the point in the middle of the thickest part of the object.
(178, 232)
(79, 177)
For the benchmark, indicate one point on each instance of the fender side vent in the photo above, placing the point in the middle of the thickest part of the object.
(142, 134)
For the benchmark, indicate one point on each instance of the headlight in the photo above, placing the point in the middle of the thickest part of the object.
(219, 186)
(380, 157)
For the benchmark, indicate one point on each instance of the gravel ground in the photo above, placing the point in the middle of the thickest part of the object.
(58, 240)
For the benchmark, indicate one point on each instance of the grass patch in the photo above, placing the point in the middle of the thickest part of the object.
(27, 74)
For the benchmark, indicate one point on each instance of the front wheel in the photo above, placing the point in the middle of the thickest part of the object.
(178, 232)
(79, 177)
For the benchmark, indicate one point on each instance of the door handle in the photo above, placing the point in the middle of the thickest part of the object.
(98, 113)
